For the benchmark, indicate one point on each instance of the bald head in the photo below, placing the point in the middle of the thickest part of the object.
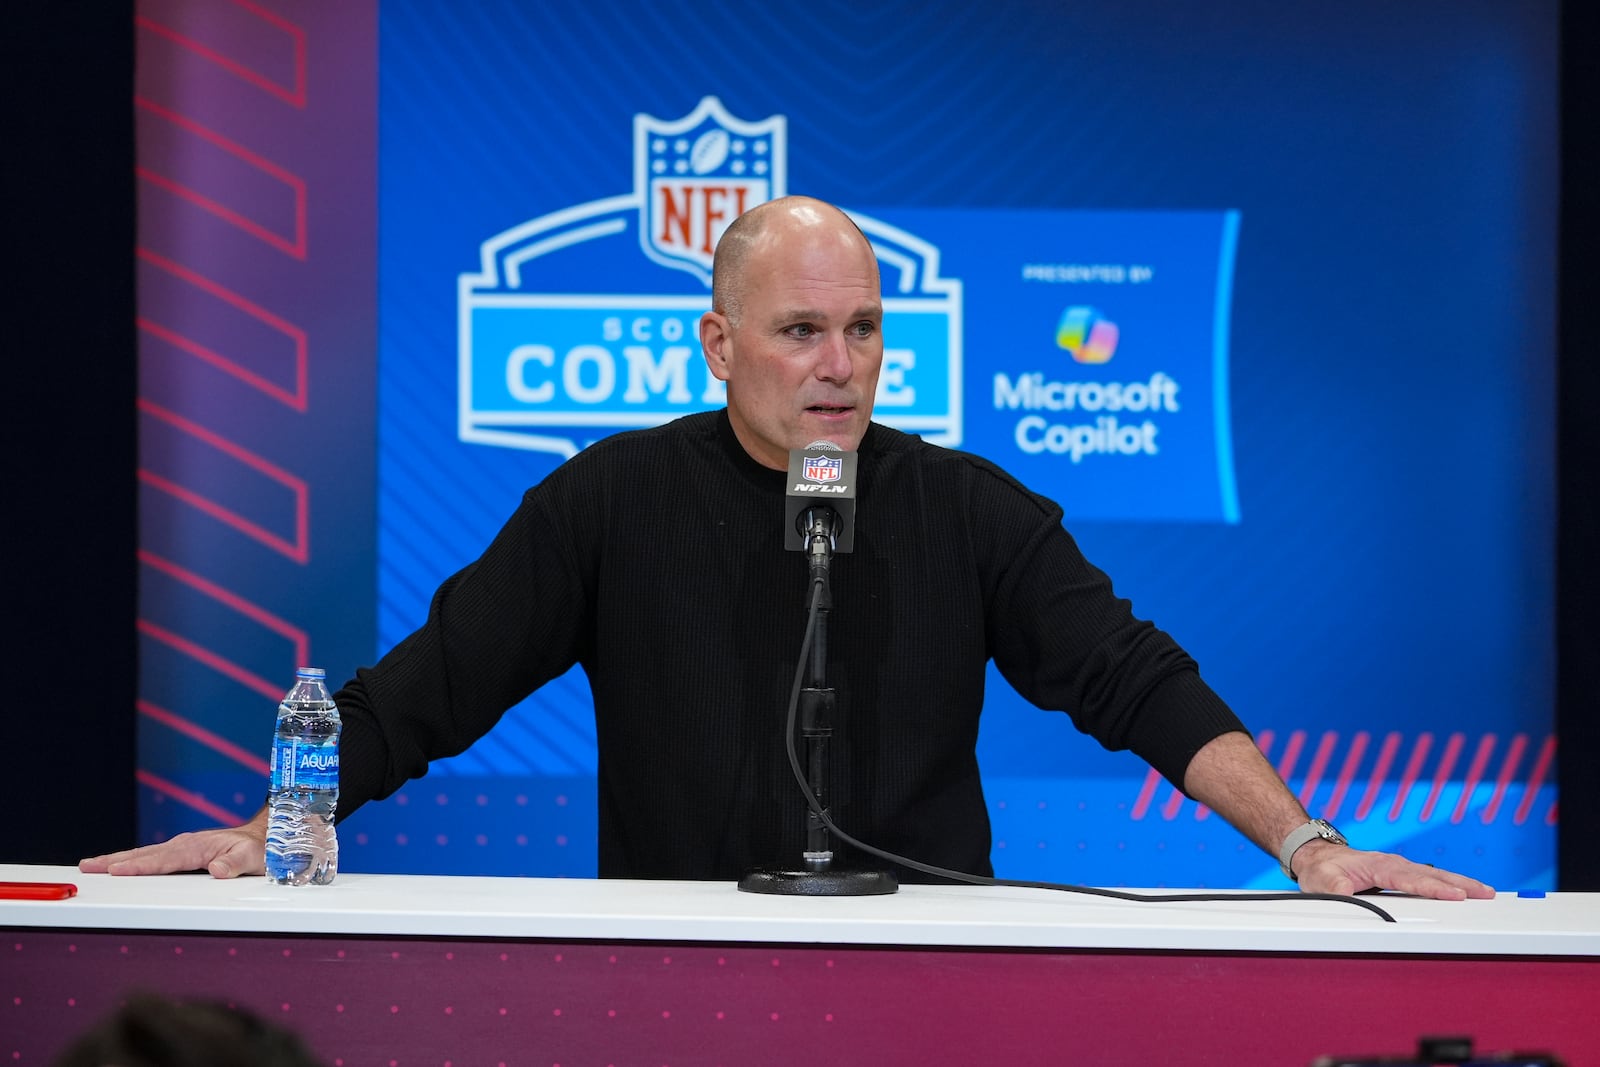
(796, 328)
(790, 214)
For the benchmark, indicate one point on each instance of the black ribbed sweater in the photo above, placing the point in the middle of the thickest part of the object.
(655, 559)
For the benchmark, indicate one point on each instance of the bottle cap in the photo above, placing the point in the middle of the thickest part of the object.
(310, 672)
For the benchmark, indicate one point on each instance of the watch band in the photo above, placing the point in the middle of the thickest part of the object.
(1300, 835)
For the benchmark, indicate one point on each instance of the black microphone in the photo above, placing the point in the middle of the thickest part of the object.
(820, 497)
(819, 520)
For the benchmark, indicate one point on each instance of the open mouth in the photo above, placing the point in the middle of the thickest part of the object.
(831, 409)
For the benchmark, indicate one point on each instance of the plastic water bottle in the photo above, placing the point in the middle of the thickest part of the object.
(302, 848)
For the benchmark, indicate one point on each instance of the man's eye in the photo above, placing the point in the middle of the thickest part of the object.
(801, 329)
(864, 329)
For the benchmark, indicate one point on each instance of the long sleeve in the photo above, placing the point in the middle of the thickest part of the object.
(655, 560)
(496, 630)
(1066, 642)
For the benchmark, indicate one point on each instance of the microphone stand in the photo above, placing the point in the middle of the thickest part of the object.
(820, 876)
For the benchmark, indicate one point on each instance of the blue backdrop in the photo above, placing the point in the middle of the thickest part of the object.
(1263, 296)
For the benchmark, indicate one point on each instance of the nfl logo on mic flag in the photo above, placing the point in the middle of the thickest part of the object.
(822, 469)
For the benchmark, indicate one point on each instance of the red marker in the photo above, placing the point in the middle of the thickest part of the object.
(37, 890)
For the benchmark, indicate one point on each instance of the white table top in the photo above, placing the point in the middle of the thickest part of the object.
(1560, 924)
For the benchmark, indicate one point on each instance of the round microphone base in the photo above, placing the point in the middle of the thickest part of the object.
(833, 882)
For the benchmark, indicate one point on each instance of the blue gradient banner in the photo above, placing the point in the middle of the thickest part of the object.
(1269, 314)
(1097, 353)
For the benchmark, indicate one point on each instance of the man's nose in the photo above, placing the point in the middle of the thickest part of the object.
(833, 360)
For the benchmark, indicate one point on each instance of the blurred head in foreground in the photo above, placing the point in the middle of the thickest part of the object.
(151, 1031)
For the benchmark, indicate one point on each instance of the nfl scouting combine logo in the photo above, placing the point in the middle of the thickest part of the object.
(698, 174)
(567, 333)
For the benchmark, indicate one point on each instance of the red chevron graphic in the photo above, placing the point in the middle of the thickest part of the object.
(1547, 755)
(183, 796)
(298, 398)
(254, 612)
(1508, 767)
(295, 246)
(1327, 747)
(1358, 748)
(294, 94)
(221, 664)
(1441, 776)
(1380, 774)
(199, 733)
(298, 550)
(1480, 760)
(233, 218)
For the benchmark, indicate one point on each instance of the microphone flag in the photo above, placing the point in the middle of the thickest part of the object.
(821, 476)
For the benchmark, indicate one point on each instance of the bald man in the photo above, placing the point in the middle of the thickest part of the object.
(655, 559)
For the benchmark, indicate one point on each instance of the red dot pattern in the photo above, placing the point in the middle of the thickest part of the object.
(409, 1002)
(433, 1002)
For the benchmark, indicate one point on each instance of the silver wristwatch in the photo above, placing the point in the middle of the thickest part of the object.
(1310, 831)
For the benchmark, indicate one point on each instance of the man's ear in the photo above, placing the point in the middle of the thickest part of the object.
(714, 343)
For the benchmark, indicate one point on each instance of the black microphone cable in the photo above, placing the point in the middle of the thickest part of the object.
(977, 879)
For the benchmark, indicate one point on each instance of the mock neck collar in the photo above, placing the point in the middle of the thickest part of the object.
(753, 471)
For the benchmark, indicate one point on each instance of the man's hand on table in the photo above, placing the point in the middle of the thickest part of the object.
(223, 853)
(1324, 867)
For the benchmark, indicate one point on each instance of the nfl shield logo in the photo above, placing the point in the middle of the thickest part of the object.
(695, 175)
(823, 469)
